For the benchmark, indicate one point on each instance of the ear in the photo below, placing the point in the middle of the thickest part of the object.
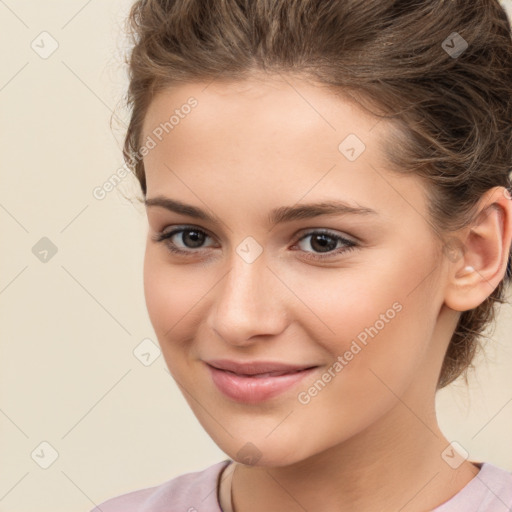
(482, 250)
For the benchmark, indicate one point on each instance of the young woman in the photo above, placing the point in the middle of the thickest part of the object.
(330, 222)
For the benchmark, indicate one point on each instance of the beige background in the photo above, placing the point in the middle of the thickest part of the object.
(70, 325)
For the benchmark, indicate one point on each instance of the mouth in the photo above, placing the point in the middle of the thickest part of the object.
(252, 388)
(268, 374)
(253, 368)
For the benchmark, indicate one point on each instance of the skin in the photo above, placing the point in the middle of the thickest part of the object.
(370, 439)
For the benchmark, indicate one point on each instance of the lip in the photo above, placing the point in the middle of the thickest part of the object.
(256, 382)
(256, 367)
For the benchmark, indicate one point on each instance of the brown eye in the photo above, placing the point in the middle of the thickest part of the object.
(192, 238)
(324, 242)
(183, 240)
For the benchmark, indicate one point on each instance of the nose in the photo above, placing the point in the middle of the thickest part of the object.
(249, 303)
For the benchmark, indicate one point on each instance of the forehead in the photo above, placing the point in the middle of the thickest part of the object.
(281, 137)
(258, 124)
(273, 102)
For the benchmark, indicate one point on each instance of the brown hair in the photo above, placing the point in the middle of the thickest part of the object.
(408, 59)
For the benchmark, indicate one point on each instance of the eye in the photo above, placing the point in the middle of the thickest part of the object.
(326, 243)
(189, 236)
(185, 239)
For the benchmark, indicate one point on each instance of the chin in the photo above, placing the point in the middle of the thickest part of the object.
(264, 453)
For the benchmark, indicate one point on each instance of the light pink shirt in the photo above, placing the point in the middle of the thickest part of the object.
(489, 491)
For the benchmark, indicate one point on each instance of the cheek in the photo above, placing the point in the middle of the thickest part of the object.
(382, 334)
(159, 294)
(379, 319)
(172, 297)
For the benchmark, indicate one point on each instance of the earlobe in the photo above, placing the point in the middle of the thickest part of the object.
(486, 246)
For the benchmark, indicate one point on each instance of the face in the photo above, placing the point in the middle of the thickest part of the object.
(263, 276)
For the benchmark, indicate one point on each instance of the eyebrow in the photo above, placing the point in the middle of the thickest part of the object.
(276, 216)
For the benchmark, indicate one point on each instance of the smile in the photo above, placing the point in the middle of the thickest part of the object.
(256, 388)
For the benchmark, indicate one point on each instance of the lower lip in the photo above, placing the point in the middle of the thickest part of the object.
(252, 390)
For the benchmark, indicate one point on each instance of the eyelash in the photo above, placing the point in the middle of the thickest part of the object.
(165, 237)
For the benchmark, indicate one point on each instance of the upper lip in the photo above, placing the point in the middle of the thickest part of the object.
(256, 367)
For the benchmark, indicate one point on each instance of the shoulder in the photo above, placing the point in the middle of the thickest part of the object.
(188, 492)
(490, 490)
